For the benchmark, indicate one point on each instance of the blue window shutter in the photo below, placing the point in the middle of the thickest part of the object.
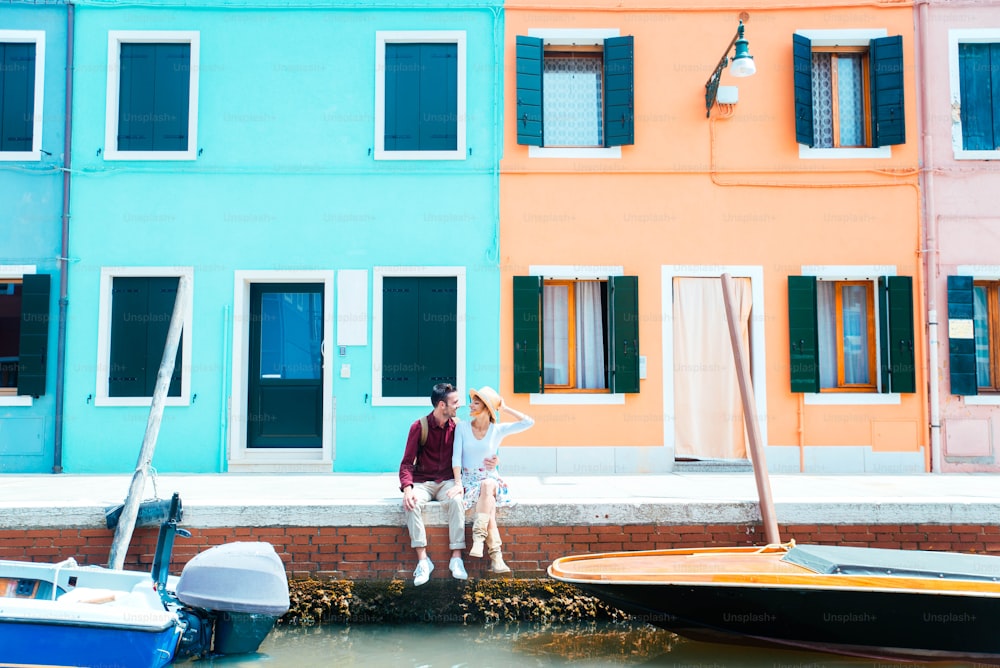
(136, 97)
(419, 334)
(172, 96)
(624, 339)
(803, 333)
(979, 88)
(438, 86)
(528, 334)
(802, 68)
(34, 335)
(17, 96)
(141, 307)
(888, 120)
(530, 61)
(961, 340)
(162, 293)
(896, 317)
(619, 91)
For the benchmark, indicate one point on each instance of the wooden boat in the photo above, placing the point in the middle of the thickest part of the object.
(868, 602)
(885, 604)
(225, 601)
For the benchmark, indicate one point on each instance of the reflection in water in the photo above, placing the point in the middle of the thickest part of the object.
(589, 644)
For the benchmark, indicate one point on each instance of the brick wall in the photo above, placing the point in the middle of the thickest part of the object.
(382, 553)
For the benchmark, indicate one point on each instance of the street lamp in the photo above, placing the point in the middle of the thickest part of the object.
(743, 66)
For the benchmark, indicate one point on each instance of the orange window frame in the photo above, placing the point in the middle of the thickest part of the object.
(835, 52)
(993, 335)
(10, 391)
(842, 385)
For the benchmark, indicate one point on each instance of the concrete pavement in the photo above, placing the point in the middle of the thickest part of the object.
(336, 499)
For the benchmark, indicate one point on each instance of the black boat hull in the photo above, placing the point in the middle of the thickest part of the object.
(874, 624)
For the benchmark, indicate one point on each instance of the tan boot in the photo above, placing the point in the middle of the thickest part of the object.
(479, 526)
(493, 542)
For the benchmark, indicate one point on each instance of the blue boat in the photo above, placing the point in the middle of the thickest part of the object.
(69, 615)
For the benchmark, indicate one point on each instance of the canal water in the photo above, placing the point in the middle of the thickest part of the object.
(517, 645)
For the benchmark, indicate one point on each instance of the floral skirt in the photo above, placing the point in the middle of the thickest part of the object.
(471, 481)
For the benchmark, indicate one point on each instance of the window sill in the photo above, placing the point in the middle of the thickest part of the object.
(807, 153)
(982, 400)
(139, 401)
(20, 156)
(851, 399)
(381, 154)
(962, 154)
(609, 153)
(15, 400)
(577, 399)
(151, 156)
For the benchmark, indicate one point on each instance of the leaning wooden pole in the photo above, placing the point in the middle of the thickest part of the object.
(126, 523)
(750, 417)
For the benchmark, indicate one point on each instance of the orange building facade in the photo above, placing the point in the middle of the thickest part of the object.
(622, 205)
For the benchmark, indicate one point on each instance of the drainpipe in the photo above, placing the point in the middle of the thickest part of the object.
(64, 247)
(929, 214)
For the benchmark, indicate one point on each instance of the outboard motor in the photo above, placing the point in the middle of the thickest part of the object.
(243, 586)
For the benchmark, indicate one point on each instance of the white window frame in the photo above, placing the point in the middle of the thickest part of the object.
(980, 272)
(569, 272)
(570, 36)
(240, 457)
(378, 274)
(115, 39)
(383, 37)
(956, 37)
(108, 274)
(758, 349)
(859, 37)
(38, 38)
(16, 271)
(854, 273)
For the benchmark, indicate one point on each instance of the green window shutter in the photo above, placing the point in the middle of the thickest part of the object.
(803, 333)
(886, 62)
(172, 97)
(896, 314)
(153, 99)
(141, 308)
(802, 68)
(161, 294)
(624, 339)
(619, 91)
(528, 334)
(438, 99)
(17, 96)
(961, 339)
(438, 333)
(34, 339)
(419, 334)
(530, 61)
(979, 87)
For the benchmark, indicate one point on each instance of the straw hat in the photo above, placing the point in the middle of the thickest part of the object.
(490, 398)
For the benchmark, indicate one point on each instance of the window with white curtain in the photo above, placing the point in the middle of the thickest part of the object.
(574, 335)
(846, 324)
(573, 103)
(839, 85)
(986, 313)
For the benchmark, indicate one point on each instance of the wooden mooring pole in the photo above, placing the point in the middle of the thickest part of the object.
(126, 523)
(757, 457)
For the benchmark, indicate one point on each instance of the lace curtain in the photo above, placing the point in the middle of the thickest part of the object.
(571, 107)
(849, 95)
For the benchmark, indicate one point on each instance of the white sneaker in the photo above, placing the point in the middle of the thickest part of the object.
(457, 569)
(423, 573)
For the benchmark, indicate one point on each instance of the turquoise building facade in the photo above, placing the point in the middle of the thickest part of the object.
(321, 182)
(33, 39)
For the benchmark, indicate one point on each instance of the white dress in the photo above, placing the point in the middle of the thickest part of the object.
(469, 453)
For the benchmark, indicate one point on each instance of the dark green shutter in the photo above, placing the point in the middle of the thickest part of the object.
(979, 89)
(962, 346)
(802, 70)
(619, 91)
(897, 337)
(803, 334)
(34, 338)
(528, 334)
(624, 339)
(153, 99)
(17, 96)
(438, 332)
(530, 67)
(141, 308)
(438, 101)
(172, 97)
(161, 295)
(886, 61)
(419, 334)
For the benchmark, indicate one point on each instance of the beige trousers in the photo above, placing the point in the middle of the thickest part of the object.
(453, 508)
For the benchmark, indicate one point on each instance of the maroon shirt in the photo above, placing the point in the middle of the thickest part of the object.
(434, 459)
